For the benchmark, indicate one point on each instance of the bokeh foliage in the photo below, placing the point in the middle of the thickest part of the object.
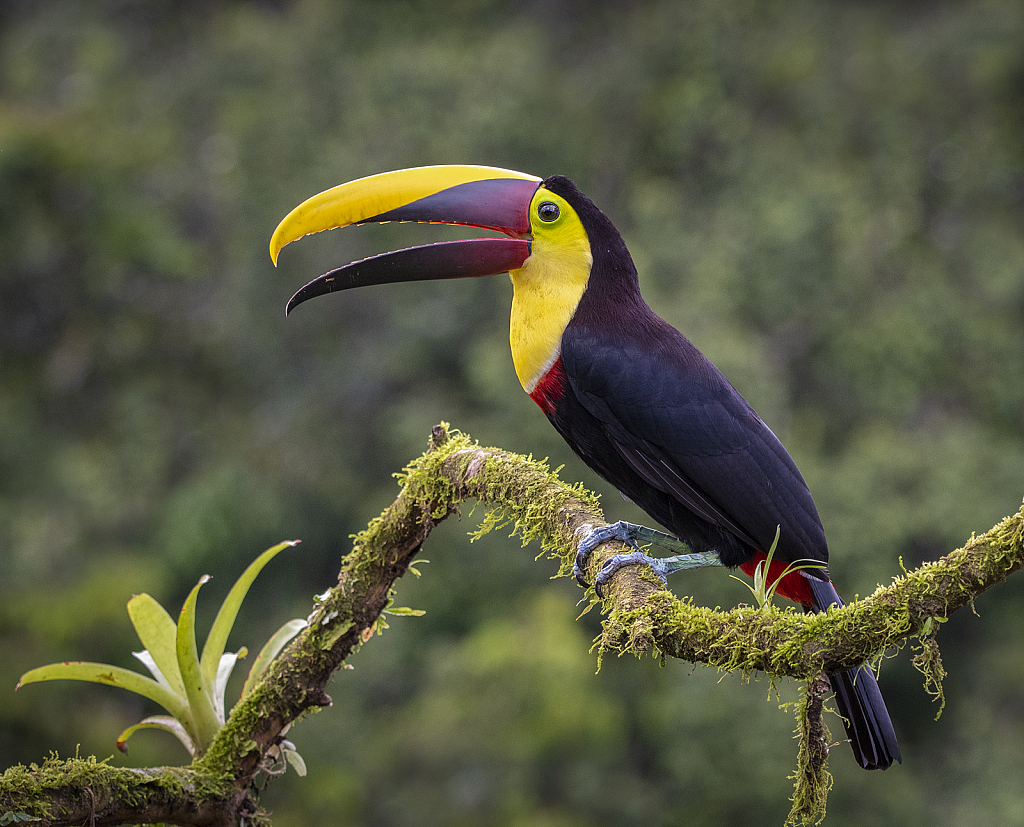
(827, 197)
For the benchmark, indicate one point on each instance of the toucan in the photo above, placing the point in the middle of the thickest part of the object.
(639, 404)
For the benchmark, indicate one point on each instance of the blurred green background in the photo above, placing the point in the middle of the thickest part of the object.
(826, 197)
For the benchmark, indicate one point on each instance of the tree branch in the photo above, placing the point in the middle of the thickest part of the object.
(642, 615)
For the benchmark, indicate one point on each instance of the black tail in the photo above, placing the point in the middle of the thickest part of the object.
(866, 718)
(860, 700)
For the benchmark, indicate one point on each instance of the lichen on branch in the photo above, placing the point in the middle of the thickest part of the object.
(642, 616)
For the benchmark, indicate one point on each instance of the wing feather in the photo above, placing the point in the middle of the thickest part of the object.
(679, 424)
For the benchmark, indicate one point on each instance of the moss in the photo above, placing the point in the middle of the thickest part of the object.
(234, 739)
(35, 788)
(928, 661)
(421, 479)
(812, 780)
(527, 495)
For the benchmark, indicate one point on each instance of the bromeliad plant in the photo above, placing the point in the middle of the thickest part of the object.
(189, 686)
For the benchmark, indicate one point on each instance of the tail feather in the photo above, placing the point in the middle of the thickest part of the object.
(859, 700)
(865, 717)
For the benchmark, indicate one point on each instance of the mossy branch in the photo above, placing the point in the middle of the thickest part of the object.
(642, 616)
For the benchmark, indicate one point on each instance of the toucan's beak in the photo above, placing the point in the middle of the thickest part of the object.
(474, 196)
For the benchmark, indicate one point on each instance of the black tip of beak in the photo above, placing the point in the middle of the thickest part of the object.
(340, 279)
(317, 287)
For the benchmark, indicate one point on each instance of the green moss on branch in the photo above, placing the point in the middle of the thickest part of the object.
(642, 617)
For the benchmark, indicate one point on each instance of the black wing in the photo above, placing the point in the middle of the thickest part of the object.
(676, 422)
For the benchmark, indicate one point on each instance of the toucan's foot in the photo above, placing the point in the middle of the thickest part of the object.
(613, 564)
(633, 535)
(628, 533)
(596, 536)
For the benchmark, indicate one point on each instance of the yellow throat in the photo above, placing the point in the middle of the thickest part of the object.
(548, 287)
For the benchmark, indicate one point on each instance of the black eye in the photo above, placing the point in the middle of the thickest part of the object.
(548, 211)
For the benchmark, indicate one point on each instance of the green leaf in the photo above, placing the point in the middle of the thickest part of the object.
(270, 651)
(405, 612)
(296, 761)
(157, 631)
(164, 722)
(112, 676)
(11, 817)
(199, 693)
(217, 640)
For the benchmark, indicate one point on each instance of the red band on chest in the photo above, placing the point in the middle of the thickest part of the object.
(551, 388)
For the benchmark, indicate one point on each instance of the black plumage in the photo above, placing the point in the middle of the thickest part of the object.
(654, 417)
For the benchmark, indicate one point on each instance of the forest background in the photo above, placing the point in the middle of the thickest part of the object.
(826, 197)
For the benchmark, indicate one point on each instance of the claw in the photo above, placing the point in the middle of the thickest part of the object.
(632, 534)
(616, 531)
(618, 561)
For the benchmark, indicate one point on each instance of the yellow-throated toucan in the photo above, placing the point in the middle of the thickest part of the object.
(630, 394)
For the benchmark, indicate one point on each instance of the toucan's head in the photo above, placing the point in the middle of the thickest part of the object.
(547, 250)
